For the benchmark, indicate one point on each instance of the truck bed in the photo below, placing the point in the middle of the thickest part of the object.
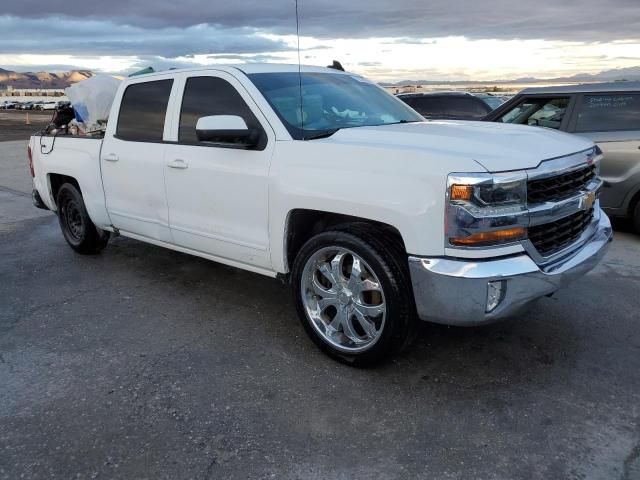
(57, 157)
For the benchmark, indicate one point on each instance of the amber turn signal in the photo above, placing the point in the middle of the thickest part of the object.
(461, 192)
(488, 238)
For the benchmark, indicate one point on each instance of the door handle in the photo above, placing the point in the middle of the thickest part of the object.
(111, 157)
(178, 163)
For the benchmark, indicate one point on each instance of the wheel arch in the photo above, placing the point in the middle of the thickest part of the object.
(301, 224)
(55, 181)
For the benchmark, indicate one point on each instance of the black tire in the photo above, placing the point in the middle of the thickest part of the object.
(635, 217)
(387, 259)
(77, 228)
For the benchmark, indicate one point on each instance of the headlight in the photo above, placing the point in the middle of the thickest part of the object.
(485, 209)
(484, 190)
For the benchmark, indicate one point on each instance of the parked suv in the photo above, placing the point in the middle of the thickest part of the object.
(447, 105)
(608, 114)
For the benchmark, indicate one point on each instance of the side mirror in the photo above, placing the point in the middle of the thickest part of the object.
(229, 129)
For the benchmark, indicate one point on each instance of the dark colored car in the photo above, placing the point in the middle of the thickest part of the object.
(608, 114)
(447, 105)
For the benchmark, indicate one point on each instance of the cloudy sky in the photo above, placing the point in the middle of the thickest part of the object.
(384, 39)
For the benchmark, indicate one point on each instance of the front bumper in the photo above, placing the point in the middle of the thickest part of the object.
(454, 292)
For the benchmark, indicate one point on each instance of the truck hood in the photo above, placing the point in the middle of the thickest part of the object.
(495, 146)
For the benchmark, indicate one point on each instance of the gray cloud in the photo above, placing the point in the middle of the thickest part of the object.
(167, 33)
(93, 37)
(581, 20)
(409, 41)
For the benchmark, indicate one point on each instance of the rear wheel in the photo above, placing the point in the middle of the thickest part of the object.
(353, 295)
(78, 229)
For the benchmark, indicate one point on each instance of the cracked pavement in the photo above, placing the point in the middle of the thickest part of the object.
(146, 363)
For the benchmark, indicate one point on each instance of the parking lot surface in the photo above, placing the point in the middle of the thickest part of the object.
(19, 124)
(146, 363)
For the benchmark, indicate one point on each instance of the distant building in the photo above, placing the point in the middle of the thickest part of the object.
(395, 89)
(32, 92)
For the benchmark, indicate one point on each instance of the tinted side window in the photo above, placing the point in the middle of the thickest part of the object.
(465, 107)
(142, 111)
(408, 100)
(428, 105)
(450, 106)
(608, 112)
(205, 96)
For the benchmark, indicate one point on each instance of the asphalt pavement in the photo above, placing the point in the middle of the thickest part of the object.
(146, 363)
(19, 124)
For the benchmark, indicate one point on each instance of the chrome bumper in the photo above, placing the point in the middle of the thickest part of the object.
(454, 292)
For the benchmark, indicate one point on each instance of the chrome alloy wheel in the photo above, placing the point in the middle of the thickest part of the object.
(343, 299)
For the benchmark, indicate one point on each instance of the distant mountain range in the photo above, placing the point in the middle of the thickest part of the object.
(620, 74)
(64, 79)
(41, 79)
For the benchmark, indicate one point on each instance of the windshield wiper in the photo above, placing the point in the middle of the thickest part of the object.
(321, 134)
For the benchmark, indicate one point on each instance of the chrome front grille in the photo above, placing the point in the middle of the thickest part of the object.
(559, 187)
(550, 238)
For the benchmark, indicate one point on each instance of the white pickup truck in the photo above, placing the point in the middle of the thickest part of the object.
(374, 215)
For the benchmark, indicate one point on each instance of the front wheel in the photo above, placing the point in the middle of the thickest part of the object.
(353, 295)
(78, 229)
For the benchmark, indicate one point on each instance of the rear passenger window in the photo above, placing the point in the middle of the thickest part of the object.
(602, 113)
(427, 105)
(467, 107)
(206, 96)
(450, 106)
(142, 111)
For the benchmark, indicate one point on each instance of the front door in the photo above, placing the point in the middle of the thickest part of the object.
(218, 193)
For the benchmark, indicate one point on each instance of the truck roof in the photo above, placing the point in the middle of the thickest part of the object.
(249, 68)
(587, 88)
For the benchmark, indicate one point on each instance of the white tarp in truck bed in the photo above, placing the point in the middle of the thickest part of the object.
(92, 99)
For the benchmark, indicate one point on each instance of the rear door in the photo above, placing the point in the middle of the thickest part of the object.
(132, 161)
(218, 193)
(612, 120)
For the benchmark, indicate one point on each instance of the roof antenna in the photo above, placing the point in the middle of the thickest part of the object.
(299, 69)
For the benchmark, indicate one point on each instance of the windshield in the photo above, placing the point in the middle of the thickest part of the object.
(330, 101)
